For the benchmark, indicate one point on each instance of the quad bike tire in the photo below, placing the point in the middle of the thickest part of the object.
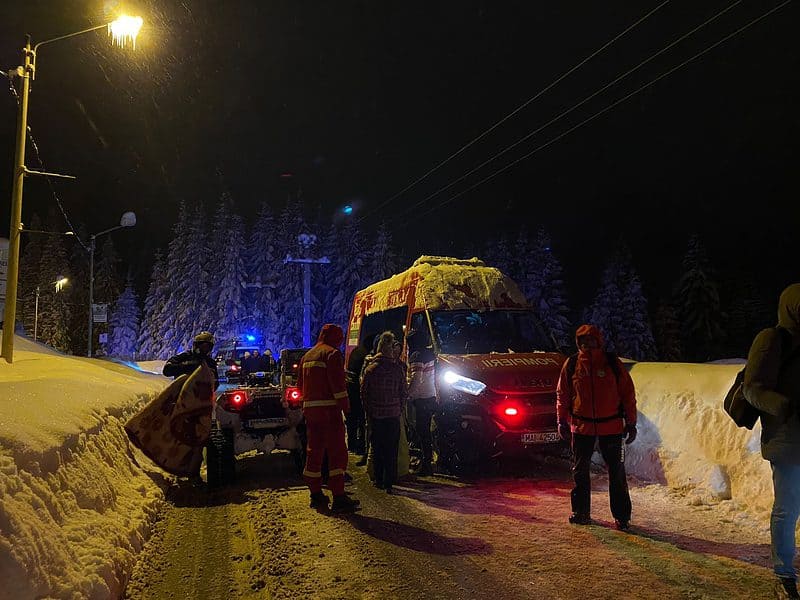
(220, 458)
(299, 460)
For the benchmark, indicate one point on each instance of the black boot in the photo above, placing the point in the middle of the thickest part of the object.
(786, 587)
(319, 501)
(344, 504)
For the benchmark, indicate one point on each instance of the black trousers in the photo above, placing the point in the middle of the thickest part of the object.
(385, 438)
(423, 411)
(613, 452)
(355, 423)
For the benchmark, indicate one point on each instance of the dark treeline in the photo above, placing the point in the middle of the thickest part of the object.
(228, 276)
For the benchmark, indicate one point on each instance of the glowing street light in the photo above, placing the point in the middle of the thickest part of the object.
(123, 31)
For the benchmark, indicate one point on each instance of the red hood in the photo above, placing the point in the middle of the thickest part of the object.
(517, 372)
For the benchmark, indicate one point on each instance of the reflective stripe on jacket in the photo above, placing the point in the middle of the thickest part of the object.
(321, 378)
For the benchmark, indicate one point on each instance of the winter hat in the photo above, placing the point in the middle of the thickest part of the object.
(204, 337)
(331, 334)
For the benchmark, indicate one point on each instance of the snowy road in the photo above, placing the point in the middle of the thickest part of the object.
(504, 537)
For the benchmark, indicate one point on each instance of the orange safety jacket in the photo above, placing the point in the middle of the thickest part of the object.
(321, 376)
(595, 400)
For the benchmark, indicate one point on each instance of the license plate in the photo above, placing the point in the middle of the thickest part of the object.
(540, 438)
(264, 423)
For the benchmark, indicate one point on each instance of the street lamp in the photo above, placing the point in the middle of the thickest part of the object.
(59, 284)
(128, 220)
(123, 31)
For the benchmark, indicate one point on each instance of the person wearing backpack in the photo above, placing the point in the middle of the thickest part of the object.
(596, 401)
(772, 385)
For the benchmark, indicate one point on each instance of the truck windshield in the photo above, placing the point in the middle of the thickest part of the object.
(482, 332)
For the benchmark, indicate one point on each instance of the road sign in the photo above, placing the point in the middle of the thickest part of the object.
(100, 313)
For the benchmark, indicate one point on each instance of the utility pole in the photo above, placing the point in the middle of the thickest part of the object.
(306, 240)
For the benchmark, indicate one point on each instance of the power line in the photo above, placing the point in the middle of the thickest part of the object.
(42, 167)
(572, 108)
(514, 112)
(604, 110)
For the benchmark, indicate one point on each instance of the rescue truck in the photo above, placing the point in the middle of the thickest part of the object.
(496, 368)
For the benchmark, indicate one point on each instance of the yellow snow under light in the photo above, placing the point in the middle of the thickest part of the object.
(125, 29)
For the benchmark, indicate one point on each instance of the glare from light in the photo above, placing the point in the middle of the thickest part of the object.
(348, 210)
(60, 283)
(124, 30)
(464, 384)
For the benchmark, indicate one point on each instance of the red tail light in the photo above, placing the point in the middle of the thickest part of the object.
(510, 411)
(235, 400)
(234, 367)
(293, 396)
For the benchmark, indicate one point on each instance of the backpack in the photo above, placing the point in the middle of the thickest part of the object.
(611, 357)
(736, 405)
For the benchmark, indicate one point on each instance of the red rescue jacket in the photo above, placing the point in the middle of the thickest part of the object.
(595, 401)
(321, 374)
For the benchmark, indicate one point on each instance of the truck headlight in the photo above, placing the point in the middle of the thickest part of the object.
(464, 384)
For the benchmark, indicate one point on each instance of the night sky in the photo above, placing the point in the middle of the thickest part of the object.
(359, 99)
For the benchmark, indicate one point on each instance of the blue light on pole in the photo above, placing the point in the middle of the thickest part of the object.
(348, 210)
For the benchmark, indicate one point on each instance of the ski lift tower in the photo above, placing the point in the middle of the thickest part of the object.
(307, 242)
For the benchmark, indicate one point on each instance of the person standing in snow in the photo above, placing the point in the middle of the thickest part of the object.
(422, 394)
(322, 384)
(185, 363)
(772, 385)
(383, 392)
(356, 425)
(596, 400)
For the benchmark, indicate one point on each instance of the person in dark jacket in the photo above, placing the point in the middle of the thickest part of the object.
(772, 385)
(422, 394)
(383, 392)
(356, 420)
(598, 402)
(185, 363)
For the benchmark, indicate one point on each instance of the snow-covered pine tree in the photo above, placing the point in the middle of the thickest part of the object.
(747, 310)
(186, 252)
(123, 324)
(544, 288)
(107, 284)
(228, 295)
(54, 306)
(382, 256)
(697, 301)
(349, 274)
(667, 333)
(78, 291)
(289, 293)
(29, 263)
(604, 312)
(151, 343)
(497, 254)
(264, 270)
(635, 338)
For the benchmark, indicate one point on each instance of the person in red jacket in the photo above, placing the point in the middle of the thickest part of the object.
(322, 383)
(596, 400)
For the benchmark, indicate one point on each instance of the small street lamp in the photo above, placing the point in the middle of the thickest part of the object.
(123, 31)
(128, 220)
(59, 285)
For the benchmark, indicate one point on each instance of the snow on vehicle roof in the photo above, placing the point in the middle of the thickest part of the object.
(443, 282)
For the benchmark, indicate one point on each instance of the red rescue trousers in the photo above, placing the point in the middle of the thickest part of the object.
(325, 433)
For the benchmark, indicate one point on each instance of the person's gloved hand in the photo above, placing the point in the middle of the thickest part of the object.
(629, 432)
(564, 432)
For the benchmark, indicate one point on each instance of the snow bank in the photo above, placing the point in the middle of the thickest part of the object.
(686, 440)
(74, 507)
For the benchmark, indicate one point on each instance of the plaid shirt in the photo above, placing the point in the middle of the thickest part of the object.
(383, 388)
